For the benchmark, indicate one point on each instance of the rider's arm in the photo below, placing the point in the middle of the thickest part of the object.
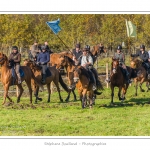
(47, 58)
(90, 61)
(18, 58)
(146, 57)
(135, 55)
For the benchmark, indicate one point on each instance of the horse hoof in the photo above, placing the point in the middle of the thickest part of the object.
(135, 94)
(142, 90)
(40, 99)
(61, 100)
(66, 100)
(48, 101)
(18, 101)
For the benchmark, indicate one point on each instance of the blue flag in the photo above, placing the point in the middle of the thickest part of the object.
(54, 25)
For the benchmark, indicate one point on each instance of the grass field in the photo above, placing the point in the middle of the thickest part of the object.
(132, 118)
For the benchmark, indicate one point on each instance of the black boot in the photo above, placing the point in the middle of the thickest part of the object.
(43, 78)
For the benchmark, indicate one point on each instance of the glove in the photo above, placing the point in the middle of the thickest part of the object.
(38, 63)
(42, 63)
(131, 55)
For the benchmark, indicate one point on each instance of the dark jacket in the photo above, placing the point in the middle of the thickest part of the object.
(144, 56)
(77, 55)
(43, 57)
(15, 57)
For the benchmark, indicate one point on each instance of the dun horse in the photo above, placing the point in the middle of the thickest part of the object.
(55, 77)
(141, 75)
(117, 79)
(7, 79)
(84, 86)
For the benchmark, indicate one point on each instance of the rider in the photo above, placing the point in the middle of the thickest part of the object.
(145, 57)
(42, 60)
(34, 50)
(15, 57)
(119, 55)
(77, 53)
(87, 63)
(47, 47)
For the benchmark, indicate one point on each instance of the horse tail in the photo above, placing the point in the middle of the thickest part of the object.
(36, 81)
(63, 84)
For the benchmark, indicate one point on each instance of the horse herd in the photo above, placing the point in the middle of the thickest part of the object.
(77, 77)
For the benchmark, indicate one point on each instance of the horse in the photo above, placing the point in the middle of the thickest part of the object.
(96, 52)
(117, 79)
(7, 79)
(55, 77)
(83, 85)
(69, 65)
(141, 74)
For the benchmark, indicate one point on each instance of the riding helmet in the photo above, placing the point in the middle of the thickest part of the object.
(87, 47)
(77, 45)
(15, 48)
(142, 46)
(119, 47)
(43, 47)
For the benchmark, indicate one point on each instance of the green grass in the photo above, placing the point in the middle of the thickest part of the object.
(132, 118)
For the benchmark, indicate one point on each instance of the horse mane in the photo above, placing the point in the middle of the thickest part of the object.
(69, 60)
(84, 72)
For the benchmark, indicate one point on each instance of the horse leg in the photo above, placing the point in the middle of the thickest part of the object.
(140, 85)
(136, 87)
(112, 94)
(36, 92)
(30, 89)
(6, 87)
(75, 98)
(49, 92)
(147, 85)
(84, 98)
(119, 93)
(58, 89)
(68, 97)
(20, 93)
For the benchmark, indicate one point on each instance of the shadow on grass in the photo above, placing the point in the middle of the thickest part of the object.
(130, 103)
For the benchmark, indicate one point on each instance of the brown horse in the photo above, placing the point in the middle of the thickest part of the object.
(96, 52)
(55, 77)
(117, 79)
(141, 77)
(57, 58)
(69, 65)
(83, 85)
(8, 80)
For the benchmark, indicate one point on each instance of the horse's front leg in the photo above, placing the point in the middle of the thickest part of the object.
(84, 98)
(147, 85)
(136, 87)
(20, 93)
(112, 93)
(49, 92)
(119, 93)
(6, 87)
(142, 90)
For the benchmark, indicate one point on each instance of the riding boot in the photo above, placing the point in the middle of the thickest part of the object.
(43, 78)
(127, 76)
(94, 82)
(19, 78)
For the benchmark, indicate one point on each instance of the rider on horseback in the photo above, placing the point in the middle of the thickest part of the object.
(42, 60)
(77, 53)
(34, 51)
(87, 62)
(144, 56)
(120, 56)
(15, 59)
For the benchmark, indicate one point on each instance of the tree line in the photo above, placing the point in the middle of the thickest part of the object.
(109, 29)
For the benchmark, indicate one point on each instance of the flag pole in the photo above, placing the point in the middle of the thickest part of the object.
(63, 43)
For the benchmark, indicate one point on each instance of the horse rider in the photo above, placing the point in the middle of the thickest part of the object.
(42, 60)
(101, 48)
(87, 62)
(47, 47)
(34, 50)
(144, 56)
(15, 58)
(77, 53)
(120, 56)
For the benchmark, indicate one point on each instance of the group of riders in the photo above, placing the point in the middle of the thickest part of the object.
(41, 55)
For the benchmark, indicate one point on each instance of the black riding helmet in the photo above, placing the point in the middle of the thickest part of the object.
(87, 47)
(119, 47)
(142, 46)
(77, 45)
(15, 48)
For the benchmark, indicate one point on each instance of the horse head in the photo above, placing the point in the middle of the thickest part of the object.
(3, 58)
(115, 65)
(77, 72)
(135, 63)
